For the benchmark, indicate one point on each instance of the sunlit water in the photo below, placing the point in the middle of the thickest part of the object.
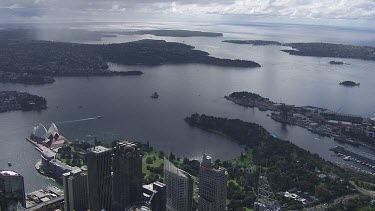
(130, 113)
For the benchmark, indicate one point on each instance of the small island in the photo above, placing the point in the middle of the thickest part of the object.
(15, 101)
(173, 33)
(336, 63)
(349, 83)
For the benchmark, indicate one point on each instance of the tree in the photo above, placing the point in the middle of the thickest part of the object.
(161, 154)
(322, 192)
(172, 157)
(149, 160)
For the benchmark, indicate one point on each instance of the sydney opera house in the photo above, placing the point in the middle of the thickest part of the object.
(50, 138)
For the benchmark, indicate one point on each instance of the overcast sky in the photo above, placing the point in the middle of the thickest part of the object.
(106, 10)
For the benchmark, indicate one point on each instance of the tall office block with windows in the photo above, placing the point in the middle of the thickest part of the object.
(12, 190)
(75, 190)
(99, 178)
(212, 186)
(127, 175)
(179, 188)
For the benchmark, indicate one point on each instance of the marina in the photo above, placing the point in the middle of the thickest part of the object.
(358, 157)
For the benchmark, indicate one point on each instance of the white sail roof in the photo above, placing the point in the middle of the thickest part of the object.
(53, 129)
(40, 131)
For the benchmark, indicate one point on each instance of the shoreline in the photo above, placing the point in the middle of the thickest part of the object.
(295, 115)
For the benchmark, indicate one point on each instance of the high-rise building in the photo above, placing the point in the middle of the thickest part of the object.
(99, 178)
(75, 190)
(212, 186)
(179, 188)
(12, 190)
(155, 195)
(127, 175)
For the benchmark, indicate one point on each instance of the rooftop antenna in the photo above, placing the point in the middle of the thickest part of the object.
(338, 110)
(265, 195)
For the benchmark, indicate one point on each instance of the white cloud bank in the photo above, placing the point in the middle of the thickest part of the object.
(65, 9)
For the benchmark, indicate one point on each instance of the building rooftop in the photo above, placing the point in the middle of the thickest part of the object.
(9, 173)
(157, 183)
(98, 149)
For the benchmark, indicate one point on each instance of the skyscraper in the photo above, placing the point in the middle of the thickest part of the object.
(99, 178)
(127, 175)
(12, 190)
(75, 190)
(179, 188)
(212, 186)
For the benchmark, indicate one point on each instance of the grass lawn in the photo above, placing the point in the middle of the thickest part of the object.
(156, 163)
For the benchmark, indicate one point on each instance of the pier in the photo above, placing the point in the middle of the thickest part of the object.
(366, 160)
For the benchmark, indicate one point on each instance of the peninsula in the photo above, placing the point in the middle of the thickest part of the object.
(173, 33)
(346, 128)
(318, 49)
(290, 169)
(43, 60)
(14, 101)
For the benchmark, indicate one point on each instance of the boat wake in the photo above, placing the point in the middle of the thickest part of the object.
(80, 120)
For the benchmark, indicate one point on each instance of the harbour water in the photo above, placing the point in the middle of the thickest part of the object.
(129, 112)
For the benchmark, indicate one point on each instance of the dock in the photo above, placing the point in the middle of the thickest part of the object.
(354, 155)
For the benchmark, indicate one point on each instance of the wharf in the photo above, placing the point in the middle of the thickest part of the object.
(345, 152)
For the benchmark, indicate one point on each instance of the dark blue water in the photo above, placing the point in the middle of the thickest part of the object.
(130, 113)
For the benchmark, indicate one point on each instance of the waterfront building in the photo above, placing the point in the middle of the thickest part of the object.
(50, 198)
(75, 190)
(127, 175)
(179, 188)
(39, 133)
(99, 178)
(155, 194)
(53, 132)
(12, 190)
(212, 186)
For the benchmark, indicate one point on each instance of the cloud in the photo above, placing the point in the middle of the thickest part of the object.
(63, 9)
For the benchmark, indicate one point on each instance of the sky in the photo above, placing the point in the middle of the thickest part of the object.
(295, 11)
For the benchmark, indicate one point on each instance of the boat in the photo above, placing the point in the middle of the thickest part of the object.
(99, 117)
(273, 135)
(9, 164)
(155, 95)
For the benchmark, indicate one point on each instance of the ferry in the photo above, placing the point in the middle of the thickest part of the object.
(155, 95)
